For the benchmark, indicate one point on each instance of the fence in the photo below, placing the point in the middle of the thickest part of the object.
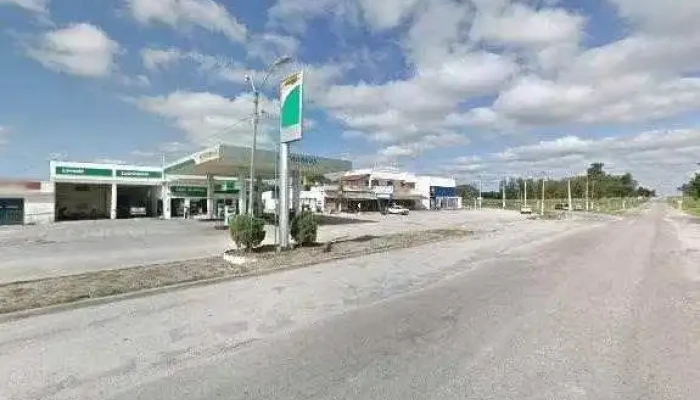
(686, 203)
(605, 205)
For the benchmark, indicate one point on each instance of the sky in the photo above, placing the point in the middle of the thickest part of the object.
(473, 89)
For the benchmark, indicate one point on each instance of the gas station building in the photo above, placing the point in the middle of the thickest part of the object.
(204, 183)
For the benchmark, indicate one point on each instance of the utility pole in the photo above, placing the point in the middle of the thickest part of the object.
(587, 203)
(571, 206)
(525, 194)
(256, 120)
(542, 205)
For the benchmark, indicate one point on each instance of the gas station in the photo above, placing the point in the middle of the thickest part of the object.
(232, 164)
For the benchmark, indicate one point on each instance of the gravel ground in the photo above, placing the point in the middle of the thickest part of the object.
(18, 296)
(34, 252)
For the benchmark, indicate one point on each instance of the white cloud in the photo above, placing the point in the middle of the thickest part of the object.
(399, 111)
(39, 6)
(143, 153)
(437, 33)
(522, 25)
(481, 117)
(79, 49)
(387, 14)
(638, 53)
(209, 118)
(677, 16)
(213, 66)
(535, 101)
(110, 161)
(58, 156)
(270, 46)
(205, 14)
(138, 81)
(3, 135)
(660, 159)
(293, 15)
(414, 149)
(155, 59)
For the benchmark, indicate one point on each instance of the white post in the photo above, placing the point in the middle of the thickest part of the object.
(188, 208)
(481, 194)
(542, 205)
(113, 203)
(210, 197)
(571, 206)
(242, 195)
(504, 194)
(165, 195)
(284, 195)
(525, 195)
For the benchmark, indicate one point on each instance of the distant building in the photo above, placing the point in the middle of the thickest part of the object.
(26, 202)
(373, 189)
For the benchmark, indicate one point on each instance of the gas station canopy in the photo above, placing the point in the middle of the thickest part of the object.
(224, 160)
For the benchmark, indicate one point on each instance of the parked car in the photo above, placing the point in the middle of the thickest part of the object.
(525, 210)
(396, 209)
(137, 211)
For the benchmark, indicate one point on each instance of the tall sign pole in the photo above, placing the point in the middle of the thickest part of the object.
(291, 107)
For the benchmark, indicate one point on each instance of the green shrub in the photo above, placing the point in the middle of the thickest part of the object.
(304, 228)
(246, 231)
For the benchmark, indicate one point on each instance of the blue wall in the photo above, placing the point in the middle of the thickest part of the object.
(441, 191)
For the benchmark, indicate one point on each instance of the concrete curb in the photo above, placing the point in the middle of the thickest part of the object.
(22, 314)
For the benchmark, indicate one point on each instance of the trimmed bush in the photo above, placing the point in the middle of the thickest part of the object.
(246, 231)
(304, 228)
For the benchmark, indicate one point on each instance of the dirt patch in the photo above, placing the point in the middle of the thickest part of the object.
(18, 296)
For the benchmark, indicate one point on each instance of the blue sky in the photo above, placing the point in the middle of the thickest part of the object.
(468, 88)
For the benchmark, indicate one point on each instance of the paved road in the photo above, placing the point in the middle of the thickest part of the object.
(608, 312)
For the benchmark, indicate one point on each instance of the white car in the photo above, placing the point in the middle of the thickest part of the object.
(396, 209)
(525, 210)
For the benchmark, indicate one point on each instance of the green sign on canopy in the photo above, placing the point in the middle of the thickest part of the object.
(80, 171)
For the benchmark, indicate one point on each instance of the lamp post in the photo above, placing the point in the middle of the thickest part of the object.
(256, 120)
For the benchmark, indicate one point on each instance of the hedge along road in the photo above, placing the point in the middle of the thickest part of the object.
(34, 252)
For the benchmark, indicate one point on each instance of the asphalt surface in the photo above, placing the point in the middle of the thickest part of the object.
(611, 311)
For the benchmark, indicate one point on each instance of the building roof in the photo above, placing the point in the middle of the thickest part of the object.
(381, 173)
(233, 161)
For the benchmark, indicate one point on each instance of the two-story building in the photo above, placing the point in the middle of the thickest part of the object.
(373, 189)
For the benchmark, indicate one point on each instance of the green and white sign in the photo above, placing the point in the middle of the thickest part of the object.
(189, 191)
(128, 173)
(226, 187)
(291, 105)
(80, 171)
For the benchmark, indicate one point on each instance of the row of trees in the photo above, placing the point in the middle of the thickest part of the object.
(692, 187)
(600, 185)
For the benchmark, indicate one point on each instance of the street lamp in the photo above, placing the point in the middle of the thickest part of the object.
(256, 118)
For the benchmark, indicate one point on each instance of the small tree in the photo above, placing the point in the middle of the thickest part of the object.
(304, 228)
(246, 231)
(693, 187)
